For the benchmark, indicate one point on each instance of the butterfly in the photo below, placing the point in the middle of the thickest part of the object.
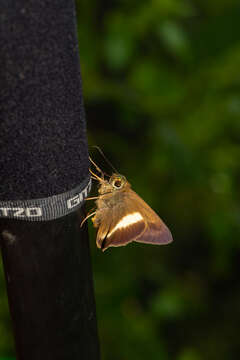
(122, 216)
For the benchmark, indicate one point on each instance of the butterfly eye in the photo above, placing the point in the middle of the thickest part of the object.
(117, 184)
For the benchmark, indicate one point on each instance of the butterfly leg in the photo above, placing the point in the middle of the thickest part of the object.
(92, 198)
(98, 197)
(87, 217)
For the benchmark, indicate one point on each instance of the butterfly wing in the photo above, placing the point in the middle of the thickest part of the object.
(120, 226)
(156, 232)
(130, 219)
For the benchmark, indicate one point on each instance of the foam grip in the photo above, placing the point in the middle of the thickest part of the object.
(43, 146)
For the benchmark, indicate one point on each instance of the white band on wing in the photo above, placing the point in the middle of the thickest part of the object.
(126, 221)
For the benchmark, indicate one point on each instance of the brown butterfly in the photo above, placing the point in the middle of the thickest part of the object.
(122, 216)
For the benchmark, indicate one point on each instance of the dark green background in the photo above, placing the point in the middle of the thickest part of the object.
(161, 82)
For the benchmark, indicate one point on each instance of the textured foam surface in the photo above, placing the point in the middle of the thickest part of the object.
(43, 147)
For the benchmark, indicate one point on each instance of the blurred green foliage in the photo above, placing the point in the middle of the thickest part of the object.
(6, 337)
(162, 93)
(161, 82)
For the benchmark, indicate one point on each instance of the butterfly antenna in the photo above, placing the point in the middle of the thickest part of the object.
(95, 176)
(105, 158)
(98, 168)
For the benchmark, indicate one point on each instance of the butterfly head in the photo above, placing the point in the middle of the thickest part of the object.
(115, 183)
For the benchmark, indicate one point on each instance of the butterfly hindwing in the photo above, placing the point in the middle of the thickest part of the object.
(156, 231)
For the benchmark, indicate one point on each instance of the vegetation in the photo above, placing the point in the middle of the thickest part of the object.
(161, 85)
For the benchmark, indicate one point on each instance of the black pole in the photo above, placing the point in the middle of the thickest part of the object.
(43, 180)
(49, 283)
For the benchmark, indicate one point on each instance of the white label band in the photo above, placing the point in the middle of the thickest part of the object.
(46, 208)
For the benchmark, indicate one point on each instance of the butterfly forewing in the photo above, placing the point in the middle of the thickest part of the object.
(122, 226)
(130, 219)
